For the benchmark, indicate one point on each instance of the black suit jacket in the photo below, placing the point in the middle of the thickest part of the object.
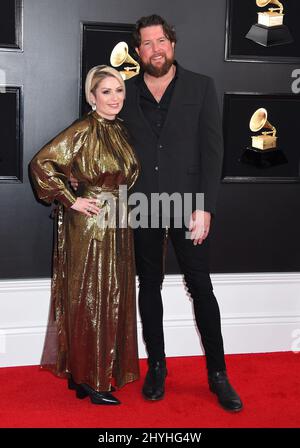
(187, 158)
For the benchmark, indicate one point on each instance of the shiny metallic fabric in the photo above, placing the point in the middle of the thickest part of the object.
(92, 322)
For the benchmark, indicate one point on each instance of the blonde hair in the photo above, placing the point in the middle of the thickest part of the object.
(95, 75)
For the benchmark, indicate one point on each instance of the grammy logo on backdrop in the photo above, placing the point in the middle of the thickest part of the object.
(270, 29)
(263, 152)
(120, 56)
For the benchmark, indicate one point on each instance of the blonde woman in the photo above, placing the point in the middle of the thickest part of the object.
(91, 337)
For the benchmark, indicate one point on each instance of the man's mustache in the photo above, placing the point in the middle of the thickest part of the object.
(157, 54)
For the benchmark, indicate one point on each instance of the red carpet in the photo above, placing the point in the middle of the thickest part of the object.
(269, 385)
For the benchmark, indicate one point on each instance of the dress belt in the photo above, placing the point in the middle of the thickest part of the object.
(97, 190)
(112, 215)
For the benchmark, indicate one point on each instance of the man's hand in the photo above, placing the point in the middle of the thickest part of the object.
(199, 226)
(73, 182)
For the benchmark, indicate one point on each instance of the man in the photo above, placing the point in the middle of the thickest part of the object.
(173, 118)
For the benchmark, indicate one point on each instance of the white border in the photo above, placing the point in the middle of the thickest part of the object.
(260, 313)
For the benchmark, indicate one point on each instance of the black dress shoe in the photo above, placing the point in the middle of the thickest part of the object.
(71, 384)
(74, 386)
(83, 391)
(96, 397)
(227, 396)
(154, 385)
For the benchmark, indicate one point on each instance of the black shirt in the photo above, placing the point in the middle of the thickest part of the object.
(155, 113)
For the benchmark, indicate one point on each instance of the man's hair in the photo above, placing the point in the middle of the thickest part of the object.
(152, 20)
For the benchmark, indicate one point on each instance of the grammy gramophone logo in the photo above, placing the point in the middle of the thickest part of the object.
(264, 151)
(120, 56)
(270, 29)
(267, 139)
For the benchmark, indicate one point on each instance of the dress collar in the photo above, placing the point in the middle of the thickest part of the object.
(103, 120)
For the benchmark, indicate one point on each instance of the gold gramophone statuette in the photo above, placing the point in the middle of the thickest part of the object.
(119, 56)
(267, 139)
(270, 30)
(272, 17)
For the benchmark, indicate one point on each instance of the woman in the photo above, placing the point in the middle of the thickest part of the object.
(91, 338)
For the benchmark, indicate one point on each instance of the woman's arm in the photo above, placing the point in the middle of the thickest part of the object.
(51, 166)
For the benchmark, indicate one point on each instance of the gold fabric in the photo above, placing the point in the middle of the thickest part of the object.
(92, 323)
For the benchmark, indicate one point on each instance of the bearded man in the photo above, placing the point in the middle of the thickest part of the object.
(173, 118)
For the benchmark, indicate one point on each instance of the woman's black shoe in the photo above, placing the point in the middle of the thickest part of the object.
(71, 384)
(96, 397)
(74, 386)
(80, 392)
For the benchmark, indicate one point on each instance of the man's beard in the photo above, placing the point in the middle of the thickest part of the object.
(157, 72)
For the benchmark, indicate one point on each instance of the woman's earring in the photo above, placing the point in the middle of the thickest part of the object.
(94, 106)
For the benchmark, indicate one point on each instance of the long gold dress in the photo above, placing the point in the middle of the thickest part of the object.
(92, 322)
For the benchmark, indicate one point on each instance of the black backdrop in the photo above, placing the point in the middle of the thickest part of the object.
(283, 113)
(257, 228)
(244, 15)
(11, 147)
(7, 23)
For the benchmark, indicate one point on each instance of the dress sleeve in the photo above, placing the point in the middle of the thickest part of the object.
(51, 166)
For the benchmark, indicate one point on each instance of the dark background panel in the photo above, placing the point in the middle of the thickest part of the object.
(283, 113)
(256, 229)
(244, 15)
(10, 148)
(7, 22)
(257, 225)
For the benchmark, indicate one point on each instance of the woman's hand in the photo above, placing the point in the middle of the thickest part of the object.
(86, 206)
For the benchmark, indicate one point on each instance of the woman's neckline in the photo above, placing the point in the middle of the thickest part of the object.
(101, 119)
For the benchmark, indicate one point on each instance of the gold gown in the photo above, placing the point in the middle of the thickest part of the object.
(92, 322)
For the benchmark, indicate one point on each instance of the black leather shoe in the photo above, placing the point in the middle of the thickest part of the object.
(96, 397)
(74, 386)
(71, 384)
(227, 396)
(154, 385)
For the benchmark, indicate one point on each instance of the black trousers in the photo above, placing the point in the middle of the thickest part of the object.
(194, 263)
